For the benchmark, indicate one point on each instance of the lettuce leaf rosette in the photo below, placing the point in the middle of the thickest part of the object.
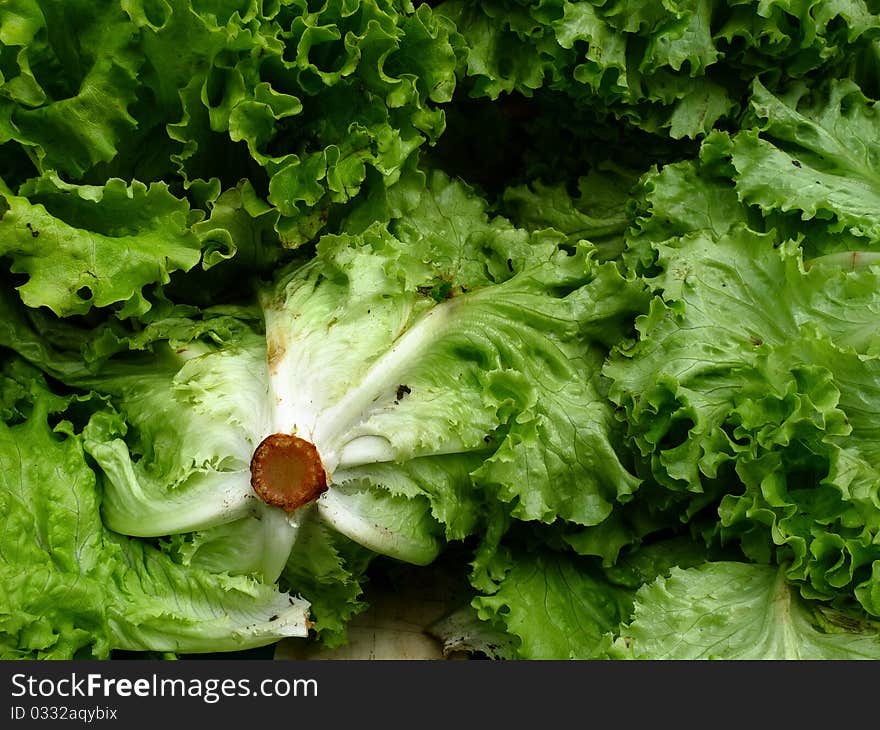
(577, 299)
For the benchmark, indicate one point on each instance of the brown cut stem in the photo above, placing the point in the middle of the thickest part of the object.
(287, 472)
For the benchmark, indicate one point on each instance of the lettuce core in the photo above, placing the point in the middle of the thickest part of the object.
(286, 472)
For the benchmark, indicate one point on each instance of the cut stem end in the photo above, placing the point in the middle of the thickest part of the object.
(286, 471)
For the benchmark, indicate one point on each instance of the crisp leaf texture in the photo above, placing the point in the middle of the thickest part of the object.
(84, 246)
(438, 362)
(455, 334)
(72, 589)
(671, 68)
(734, 611)
(582, 293)
(813, 155)
(556, 607)
(751, 383)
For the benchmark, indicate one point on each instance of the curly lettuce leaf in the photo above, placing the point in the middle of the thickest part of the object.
(598, 214)
(750, 389)
(84, 246)
(738, 611)
(337, 96)
(811, 156)
(73, 589)
(310, 103)
(68, 80)
(329, 571)
(452, 333)
(677, 69)
(556, 606)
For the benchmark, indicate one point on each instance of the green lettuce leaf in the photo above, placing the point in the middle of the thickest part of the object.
(67, 81)
(677, 69)
(72, 588)
(329, 571)
(749, 391)
(599, 214)
(310, 103)
(438, 362)
(557, 607)
(339, 95)
(84, 246)
(738, 611)
(458, 334)
(812, 155)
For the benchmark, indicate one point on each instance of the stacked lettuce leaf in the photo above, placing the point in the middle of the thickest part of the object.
(580, 296)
